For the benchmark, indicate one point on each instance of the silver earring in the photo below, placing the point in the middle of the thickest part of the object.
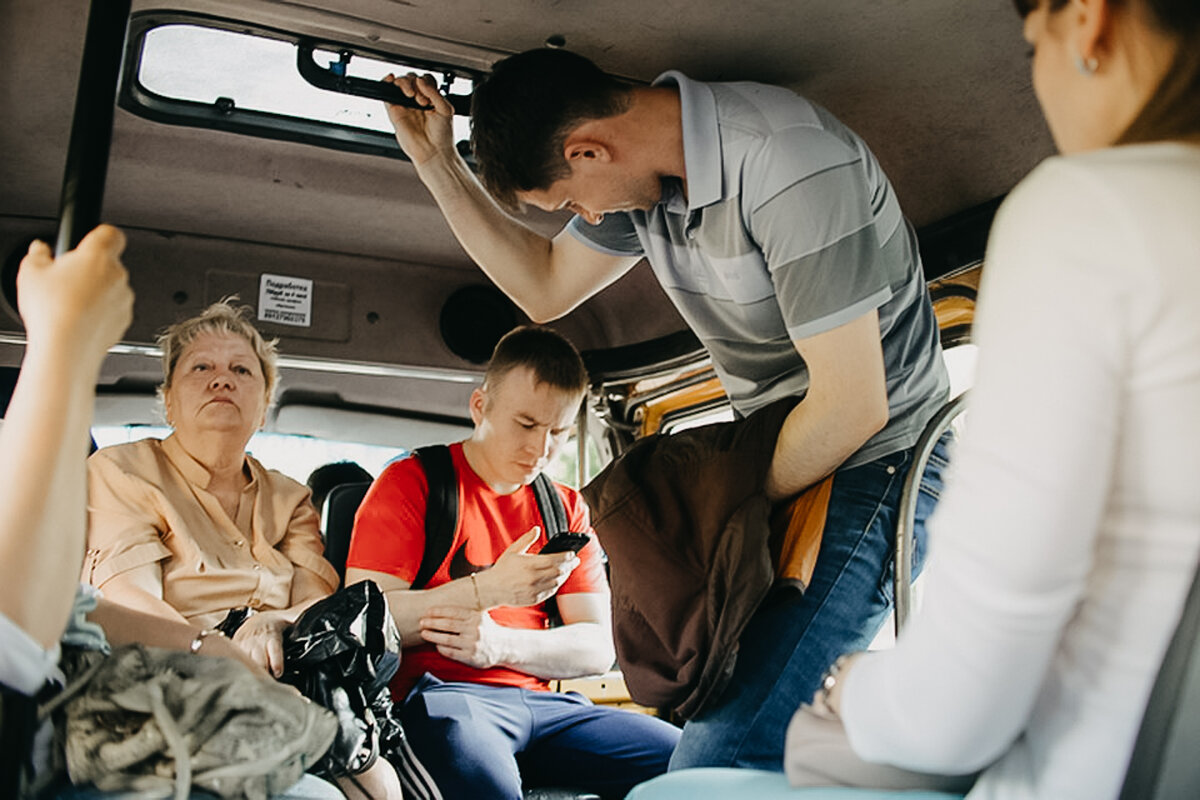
(1086, 66)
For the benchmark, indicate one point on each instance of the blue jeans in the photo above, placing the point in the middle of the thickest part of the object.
(720, 784)
(489, 741)
(794, 637)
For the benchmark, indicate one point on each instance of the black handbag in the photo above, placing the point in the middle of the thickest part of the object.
(341, 653)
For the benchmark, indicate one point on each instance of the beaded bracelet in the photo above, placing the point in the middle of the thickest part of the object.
(198, 641)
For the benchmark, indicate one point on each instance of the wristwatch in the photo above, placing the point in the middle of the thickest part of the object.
(198, 641)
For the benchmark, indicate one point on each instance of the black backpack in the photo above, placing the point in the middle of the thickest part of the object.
(441, 514)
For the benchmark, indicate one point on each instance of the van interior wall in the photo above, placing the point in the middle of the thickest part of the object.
(208, 212)
(938, 88)
(365, 310)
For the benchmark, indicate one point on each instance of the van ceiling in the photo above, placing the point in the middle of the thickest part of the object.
(938, 88)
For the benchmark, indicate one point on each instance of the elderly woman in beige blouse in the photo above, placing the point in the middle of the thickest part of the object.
(191, 526)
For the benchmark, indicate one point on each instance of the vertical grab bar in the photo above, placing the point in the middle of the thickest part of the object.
(581, 451)
(91, 126)
(902, 568)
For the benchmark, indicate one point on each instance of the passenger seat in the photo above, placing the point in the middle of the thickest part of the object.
(340, 506)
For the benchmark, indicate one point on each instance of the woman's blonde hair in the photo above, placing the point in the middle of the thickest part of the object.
(221, 317)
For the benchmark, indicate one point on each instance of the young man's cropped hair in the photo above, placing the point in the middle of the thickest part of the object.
(551, 358)
(522, 112)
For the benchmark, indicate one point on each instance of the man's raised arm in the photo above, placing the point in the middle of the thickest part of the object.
(545, 277)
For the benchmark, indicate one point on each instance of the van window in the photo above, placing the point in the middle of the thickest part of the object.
(294, 455)
(210, 76)
(297, 456)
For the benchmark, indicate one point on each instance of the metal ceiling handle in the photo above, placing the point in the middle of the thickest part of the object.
(91, 127)
(336, 80)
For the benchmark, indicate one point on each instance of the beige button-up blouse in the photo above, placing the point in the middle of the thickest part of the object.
(148, 502)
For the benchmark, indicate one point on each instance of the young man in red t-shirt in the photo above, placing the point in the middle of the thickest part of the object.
(477, 647)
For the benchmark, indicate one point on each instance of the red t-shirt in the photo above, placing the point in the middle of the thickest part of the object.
(389, 536)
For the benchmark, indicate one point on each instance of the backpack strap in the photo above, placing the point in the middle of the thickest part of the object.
(441, 515)
(441, 510)
(554, 522)
(550, 506)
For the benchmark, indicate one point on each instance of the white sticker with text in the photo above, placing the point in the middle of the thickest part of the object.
(285, 301)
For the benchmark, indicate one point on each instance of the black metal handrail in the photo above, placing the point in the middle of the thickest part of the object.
(91, 127)
(335, 79)
(902, 571)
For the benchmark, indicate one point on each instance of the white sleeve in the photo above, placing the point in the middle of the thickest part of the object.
(24, 664)
(1012, 540)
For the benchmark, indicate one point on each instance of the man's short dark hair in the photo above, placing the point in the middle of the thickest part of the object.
(552, 359)
(327, 477)
(523, 111)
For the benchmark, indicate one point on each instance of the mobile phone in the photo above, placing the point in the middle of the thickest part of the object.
(565, 542)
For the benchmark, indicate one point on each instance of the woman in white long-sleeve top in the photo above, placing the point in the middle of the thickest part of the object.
(1068, 536)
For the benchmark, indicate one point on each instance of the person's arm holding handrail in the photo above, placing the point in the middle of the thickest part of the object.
(74, 308)
(545, 277)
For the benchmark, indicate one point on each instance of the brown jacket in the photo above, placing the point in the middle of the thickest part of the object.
(685, 524)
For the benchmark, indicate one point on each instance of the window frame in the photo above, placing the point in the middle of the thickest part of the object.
(136, 98)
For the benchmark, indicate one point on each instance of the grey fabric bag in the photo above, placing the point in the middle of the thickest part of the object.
(160, 722)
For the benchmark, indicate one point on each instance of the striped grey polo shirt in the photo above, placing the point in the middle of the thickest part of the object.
(789, 229)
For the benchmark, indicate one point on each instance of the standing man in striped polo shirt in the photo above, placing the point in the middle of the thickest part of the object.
(776, 234)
